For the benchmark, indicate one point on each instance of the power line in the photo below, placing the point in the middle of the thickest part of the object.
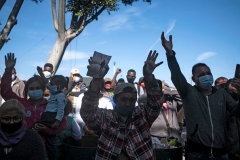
(35, 45)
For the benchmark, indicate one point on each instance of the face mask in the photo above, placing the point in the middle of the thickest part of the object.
(53, 89)
(36, 94)
(46, 97)
(143, 85)
(205, 82)
(76, 79)
(130, 80)
(13, 76)
(124, 111)
(47, 74)
(11, 127)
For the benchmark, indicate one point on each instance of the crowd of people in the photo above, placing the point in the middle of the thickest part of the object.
(130, 119)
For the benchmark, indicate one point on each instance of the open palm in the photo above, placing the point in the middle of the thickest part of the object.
(167, 45)
(150, 64)
(10, 61)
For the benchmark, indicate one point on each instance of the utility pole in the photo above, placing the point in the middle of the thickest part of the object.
(114, 63)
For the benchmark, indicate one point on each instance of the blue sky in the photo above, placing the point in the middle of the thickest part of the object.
(203, 31)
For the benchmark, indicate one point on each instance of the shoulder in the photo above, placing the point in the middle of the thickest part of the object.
(32, 136)
(61, 94)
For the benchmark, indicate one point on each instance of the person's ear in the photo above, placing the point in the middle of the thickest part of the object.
(193, 79)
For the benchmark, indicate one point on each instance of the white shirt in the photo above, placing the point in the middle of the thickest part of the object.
(105, 102)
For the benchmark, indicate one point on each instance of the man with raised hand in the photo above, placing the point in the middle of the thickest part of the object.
(124, 132)
(205, 109)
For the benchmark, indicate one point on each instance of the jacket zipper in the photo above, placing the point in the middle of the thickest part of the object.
(210, 115)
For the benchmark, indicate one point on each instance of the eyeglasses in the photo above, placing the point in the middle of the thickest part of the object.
(46, 95)
(7, 119)
(34, 88)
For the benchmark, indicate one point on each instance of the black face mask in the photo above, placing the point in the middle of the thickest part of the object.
(11, 128)
(130, 80)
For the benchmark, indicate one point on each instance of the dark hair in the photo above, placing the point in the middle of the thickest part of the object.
(131, 70)
(121, 80)
(60, 80)
(35, 78)
(198, 65)
(48, 65)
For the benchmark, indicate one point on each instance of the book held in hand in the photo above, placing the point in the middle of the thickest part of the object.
(98, 65)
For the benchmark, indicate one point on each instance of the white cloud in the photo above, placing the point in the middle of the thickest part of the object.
(115, 23)
(205, 55)
(68, 55)
(171, 26)
(134, 11)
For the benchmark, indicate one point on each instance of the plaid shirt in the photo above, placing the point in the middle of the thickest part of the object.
(133, 135)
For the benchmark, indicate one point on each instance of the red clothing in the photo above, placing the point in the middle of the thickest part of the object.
(115, 134)
(33, 112)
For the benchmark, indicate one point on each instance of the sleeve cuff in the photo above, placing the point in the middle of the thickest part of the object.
(171, 58)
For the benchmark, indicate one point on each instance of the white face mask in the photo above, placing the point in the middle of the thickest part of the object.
(47, 74)
(76, 79)
(13, 76)
(46, 97)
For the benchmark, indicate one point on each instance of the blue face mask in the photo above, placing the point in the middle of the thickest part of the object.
(35, 94)
(125, 111)
(53, 89)
(206, 81)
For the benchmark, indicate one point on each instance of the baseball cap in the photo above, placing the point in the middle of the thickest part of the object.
(107, 80)
(220, 80)
(125, 87)
(75, 71)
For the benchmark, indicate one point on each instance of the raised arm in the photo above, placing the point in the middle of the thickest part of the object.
(113, 83)
(177, 77)
(89, 111)
(6, 89)
(40, 72)
(153, 89)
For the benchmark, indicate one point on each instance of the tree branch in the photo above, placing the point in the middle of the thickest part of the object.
(61, 19)
(79, 27)
(10, 23)
(96, 15)
(74, 20)
(54, 14)
(2, 3)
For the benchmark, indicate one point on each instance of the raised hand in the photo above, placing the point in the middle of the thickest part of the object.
(236, 84)
(150, 64)
(167, 45)
(40, 72)
(39, 69)
(10, 61)
(118, 71)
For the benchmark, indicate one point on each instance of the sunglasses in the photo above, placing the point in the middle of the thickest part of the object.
(222, 80)
(46, 95)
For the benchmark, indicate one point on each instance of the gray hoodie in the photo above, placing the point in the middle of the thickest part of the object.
(205, 115)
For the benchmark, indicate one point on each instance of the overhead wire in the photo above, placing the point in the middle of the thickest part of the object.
(20, 56)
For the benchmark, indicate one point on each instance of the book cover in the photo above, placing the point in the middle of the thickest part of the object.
(98, 65)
